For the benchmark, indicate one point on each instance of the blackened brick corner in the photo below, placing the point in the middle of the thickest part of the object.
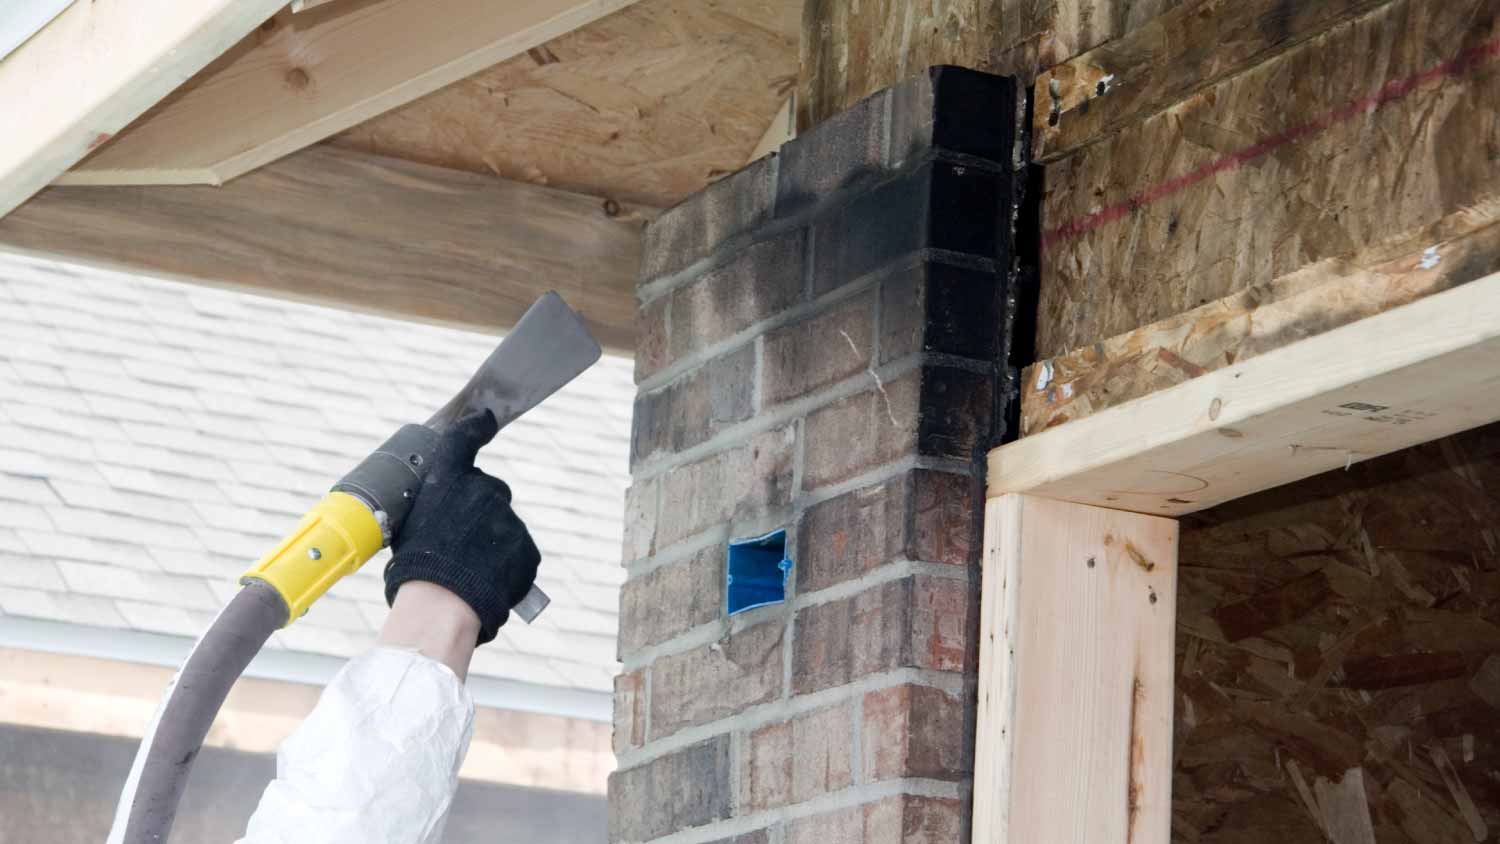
(825, 348)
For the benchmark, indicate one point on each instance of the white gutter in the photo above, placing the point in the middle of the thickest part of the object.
(286, 666)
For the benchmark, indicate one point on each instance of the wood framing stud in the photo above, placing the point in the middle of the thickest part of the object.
(1078, 614)
(1411, 374)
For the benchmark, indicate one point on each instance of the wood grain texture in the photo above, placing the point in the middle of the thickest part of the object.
(301, 78)
(1412, 374)
(1409, 543)
(1379, 126)
(853, 48)
(96, 67)
(1076, 667)
(359, 232)
(1154, 66)
(1456, 249)
(647, 105)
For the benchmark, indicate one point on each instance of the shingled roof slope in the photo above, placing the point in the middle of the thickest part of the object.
(157, 437)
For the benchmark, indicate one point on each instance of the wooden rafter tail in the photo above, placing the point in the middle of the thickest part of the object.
(1412, 374)
(98, 66)
(296, 81)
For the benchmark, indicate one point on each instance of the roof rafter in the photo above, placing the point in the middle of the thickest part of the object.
(96, 67)
(300, 79)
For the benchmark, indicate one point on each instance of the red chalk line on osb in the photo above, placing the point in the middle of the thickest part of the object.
(1390, 92)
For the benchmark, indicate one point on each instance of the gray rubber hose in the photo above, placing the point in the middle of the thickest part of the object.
(148, 804)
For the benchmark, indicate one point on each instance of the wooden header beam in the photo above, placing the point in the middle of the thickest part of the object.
(300, 79)
(98, 66)
(1411, 374)
(361, 232)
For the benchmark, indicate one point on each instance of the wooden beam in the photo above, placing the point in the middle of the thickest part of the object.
(1455, 250)
(96, 67)
(1412, 374)
(1077, 624)
(1158, 65)
(361, 232)
(300, 79)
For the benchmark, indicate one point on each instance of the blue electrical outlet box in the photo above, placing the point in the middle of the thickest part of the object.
(757, 572)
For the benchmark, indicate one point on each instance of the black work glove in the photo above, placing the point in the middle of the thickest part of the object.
(462, 533)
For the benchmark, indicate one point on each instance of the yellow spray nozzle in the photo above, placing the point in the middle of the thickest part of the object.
(334, 539)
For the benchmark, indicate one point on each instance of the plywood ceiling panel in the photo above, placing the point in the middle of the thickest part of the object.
(647, 105)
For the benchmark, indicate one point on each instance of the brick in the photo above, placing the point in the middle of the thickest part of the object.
(861, 432)
(935, 307)
(899, 819)
(734, 483)
(972, 205)
(957, 411)
(640, 520)
(846, 536)
(922, 515)
(896, 219)
(819, 351)
(651, 327)
(680, 790)
(695, 407)
(915, 731)
(955, 109)
(798, 760)
(917, 622)
(871, 231)
(699, 224)
(843, 152)
(945, 518)
(671, 599)
(716, 680)
(763, 279)
(630, 711)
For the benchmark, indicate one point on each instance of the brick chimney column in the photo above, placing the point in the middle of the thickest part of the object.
(825, 348)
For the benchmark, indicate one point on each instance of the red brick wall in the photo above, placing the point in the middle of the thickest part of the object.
(823, 348)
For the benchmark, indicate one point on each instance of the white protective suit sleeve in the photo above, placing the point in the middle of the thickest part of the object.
(376, 760)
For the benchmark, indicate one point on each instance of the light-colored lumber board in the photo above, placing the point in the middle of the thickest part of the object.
(96, 67)
(304, 5)
(300, 79)
(362, 232)
(1157, 65)
(1077, 622)
(783, 128)
(1411, 374)
(1459, 248)
(19, 21)
(1378, 126)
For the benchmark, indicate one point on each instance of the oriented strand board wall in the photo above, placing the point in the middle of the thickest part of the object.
(1383, 124)
(853, 48)
(1350, 622)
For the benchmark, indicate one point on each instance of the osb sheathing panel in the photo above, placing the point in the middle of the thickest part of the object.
(647, 105)
(1347, 623)
(1320, 297)
(1384, 124)
(854, 48)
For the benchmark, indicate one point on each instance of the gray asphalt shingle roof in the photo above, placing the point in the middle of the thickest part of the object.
(156, 438)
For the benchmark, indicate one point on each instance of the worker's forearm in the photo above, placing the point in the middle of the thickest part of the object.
(435, 622)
